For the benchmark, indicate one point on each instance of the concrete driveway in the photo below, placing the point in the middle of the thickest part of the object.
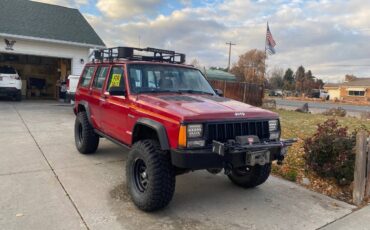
(46, 184)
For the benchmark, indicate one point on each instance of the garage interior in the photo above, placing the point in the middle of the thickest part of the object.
(41, 76)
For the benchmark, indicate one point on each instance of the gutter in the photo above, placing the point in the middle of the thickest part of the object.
(51, 40)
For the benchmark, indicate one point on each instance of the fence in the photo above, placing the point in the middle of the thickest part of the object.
(242, 91)
(361, 183)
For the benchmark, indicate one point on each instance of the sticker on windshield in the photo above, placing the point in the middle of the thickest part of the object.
(116, 80)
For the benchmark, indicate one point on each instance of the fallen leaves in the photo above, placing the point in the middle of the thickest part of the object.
(301, 126)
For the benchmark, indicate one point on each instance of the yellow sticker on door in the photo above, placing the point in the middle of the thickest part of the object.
(116, 80)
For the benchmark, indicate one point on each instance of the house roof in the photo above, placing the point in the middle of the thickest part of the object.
(365, 82)
(214, 74)
(332, 85)
(42, 21)
(358, 82)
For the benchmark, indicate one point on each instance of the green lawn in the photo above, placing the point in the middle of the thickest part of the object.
(303, 125)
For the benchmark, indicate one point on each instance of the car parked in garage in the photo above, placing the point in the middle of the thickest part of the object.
(173, 121)
(10, 83)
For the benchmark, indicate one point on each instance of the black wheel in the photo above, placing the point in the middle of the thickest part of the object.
(249, 177)
(150, 176)
(86, 139)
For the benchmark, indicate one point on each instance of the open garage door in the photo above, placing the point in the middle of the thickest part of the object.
(41, 76)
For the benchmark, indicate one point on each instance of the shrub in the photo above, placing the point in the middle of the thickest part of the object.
(330, 151)
(339, 112)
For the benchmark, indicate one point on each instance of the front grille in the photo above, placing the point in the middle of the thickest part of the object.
(229, 130)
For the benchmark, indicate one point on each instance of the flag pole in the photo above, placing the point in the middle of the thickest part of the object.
(264, 60)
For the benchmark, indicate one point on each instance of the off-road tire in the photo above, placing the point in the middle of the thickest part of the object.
(87, 141)
(257, 175)
(160, 176)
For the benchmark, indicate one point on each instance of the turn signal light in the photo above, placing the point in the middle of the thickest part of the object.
(182, 136)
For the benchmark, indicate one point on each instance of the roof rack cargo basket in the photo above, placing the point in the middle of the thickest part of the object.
(128, 53)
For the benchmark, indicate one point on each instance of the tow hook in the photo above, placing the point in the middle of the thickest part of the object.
(227, 169)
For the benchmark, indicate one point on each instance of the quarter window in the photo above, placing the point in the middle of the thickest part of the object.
(100, 75)
(86, 76)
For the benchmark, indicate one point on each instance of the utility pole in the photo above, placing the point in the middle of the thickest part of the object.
(230, 44)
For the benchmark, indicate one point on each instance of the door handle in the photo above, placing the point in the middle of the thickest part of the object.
(104, 96)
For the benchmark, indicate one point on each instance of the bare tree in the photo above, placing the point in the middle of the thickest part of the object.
(349, 77)
(250, 67)
(276, 78)
(196, 63)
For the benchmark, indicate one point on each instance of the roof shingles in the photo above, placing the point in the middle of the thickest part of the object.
(40, 20)
(364, 82)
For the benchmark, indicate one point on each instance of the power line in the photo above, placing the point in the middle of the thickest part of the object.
(230, 44)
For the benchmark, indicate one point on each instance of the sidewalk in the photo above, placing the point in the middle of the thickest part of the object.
(357, 220)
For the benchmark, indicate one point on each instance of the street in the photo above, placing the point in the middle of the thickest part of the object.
(47, 184)
(321, 105)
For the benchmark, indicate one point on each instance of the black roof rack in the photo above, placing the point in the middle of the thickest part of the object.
(158, 55)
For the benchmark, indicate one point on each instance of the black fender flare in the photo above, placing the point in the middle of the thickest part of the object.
(85, 104)
(156, 126)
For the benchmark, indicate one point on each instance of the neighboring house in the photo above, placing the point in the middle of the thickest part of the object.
(357, 89)
(214, 74)
(45, 43)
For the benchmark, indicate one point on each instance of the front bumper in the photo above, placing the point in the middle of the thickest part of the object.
(223, 155)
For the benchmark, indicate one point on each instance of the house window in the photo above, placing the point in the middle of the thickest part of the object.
(356, 93)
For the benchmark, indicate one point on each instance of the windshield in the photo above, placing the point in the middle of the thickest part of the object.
(146, 78)
(7, 70)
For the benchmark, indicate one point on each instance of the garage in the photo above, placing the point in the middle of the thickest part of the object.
(40, 76)
(46, 45)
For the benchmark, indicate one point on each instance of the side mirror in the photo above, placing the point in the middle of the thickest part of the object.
(219, 92)
(117, 91)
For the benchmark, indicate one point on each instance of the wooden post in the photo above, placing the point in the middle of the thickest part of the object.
(244, 92)
(360, 168)
(367, 190)
(224, 88)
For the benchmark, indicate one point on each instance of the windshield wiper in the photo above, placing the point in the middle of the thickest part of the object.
(195, 91)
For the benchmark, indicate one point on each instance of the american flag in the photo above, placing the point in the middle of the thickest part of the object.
(270, 42)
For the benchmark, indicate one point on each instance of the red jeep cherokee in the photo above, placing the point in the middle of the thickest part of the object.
(173, 121)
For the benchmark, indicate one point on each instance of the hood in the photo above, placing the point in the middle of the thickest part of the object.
(194, 107)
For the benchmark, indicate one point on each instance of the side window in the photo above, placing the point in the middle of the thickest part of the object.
(86, 76)
(116, 78)
(100, 75)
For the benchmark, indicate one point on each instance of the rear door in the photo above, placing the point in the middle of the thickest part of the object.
(97, 91)
(84, 87)
(114, 109)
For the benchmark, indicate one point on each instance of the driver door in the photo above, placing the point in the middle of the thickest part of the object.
(114, 109)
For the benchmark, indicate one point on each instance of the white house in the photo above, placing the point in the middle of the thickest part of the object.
(44, 43)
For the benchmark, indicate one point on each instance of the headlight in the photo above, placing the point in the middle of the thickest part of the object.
(195, 130)
(273, 125)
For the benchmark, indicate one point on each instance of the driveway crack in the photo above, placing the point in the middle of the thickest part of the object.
(52, 169)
